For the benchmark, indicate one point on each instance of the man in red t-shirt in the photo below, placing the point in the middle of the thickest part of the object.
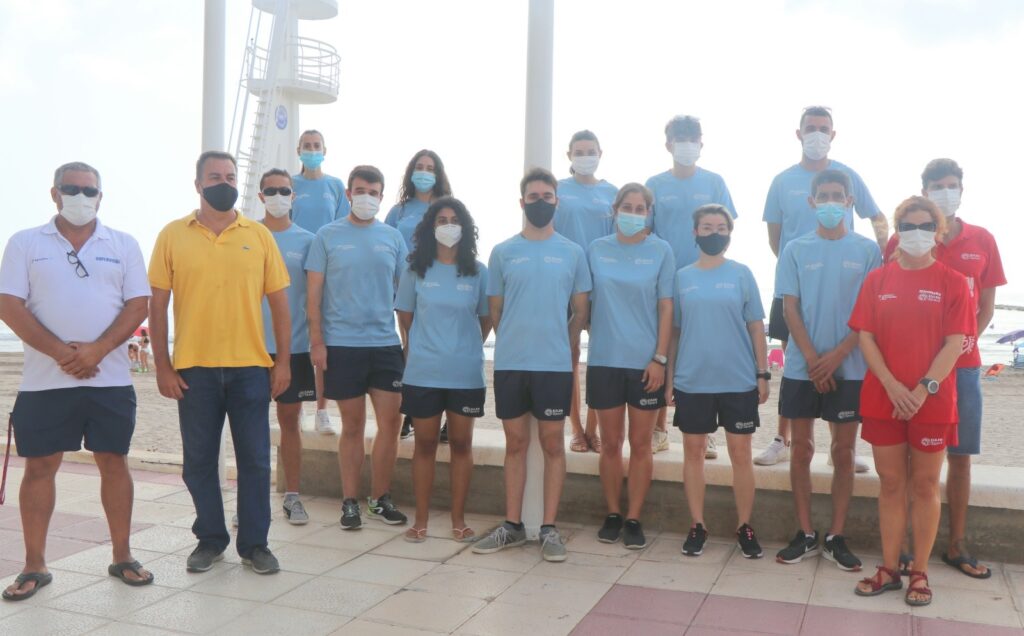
(972, 251)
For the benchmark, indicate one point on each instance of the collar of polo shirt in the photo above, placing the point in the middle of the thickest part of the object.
(240, 219)
(99, 232)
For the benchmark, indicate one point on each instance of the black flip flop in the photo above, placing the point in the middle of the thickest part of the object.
(962, 560)
(41, 579)
(904, 563)
(118, 569)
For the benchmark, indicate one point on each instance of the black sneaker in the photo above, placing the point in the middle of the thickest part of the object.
(382, 509)
(837, 552)
(801, 546)
(203, 558)
(262, 561)
(694, 544)
(749, 546)
(406, 427)
(611, 531)
(444, 432)
(633, 535)
(350, 519)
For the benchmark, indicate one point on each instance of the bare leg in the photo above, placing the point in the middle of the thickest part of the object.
(351, 447)
(424, 457)
(693, 474)
(958, 495)
(661, 423)
(291, 443)
(117, 492)
(318, 382)
(927, 506)
(801, 453)
(460, 445)
(742, 474)
(612, 424)
(574, 408)
(37, 497)
(844, 437)
(891, 466)
(552, 442)
(517, 441)
(641, 459)
(386, 405)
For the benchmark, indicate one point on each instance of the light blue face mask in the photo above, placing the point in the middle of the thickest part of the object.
(311, 160)
(423, 180)
(630, 224)
(830, 215)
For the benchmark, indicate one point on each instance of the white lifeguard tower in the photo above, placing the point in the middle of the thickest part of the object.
(280, 72)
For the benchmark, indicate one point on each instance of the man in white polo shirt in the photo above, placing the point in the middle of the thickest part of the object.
(74, 291)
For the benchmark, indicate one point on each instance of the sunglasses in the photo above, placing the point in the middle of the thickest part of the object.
(269, 192)
(73, 190)
(930, 226)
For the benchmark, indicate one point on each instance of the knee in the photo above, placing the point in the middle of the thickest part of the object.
(891, 483)
(693, 451)
(41, 467)
(611, 444)
(426, 445)
(111, 463)
(739, 452)
(802, 451)
(552, 445)
(352, 433)
(460, 447)
(639, 445)
(925, 487)
(516, 445)
(959, 466)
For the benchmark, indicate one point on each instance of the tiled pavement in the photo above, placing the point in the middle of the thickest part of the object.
(372, 582)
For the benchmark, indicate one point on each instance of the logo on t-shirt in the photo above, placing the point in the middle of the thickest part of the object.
(519, 260)
(725, 285)
(853, 265)
(381, 248)
(970, 257)
(968, 345)
(701, 196)
(554, 259)
(107, 259)
(644, 261)
(463, 287)
(814, 266)
(297, 256)
(884, 297)
(431, 284)
(607, 259)
(927, 295)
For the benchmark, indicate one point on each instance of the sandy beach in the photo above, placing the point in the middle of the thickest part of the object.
(157, 426)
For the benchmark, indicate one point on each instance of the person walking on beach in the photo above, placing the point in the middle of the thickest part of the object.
(718, 362)
(219, 266)
(584, 214)
(788, 215)
(353, 269)
(144, 344)
(819, 276)
(913, 316)
(442, 304)
(677, 193)
(74, 291)
(319, 199)
(532, 278)
(277, 195)
(972, 251)
(630, 327)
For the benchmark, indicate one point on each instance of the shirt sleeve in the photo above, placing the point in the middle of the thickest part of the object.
(136, 283)
(405, 300)
(787, 279)
(583, 283)
(890, 247)
(275, 273)
(677, 302)
(862, 317)
(342, 208)
(392, 217)
(667, 274)
(316, 259)
(161, 266)
(14, 270)
(725, 198)
(993, 275)
(875, 256)
(863, 202)
(752, 307)
(495, 278)
(483, 308)
(401, 258)
(772, 206)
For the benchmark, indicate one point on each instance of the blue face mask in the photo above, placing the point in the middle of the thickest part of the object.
(630, 224)
(830, 215)
(311, 160)
(423, 181)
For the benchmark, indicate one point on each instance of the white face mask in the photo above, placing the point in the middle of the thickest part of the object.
(79, 209)
(448, 234)
(585, 165)
(917, 242)
(279, 205)
(948, 200)
(685, 153)
(816, 145)
(365, 206)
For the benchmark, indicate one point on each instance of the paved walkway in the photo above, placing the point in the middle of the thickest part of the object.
(372, 582)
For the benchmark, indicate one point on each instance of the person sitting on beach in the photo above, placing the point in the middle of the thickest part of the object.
(912, 315)
(972, 251)
(630, 327)
(74, 291)
(219, 266)
(819, 276)
(442, 305)
(277, 195)
(133, 356)
(353, 269)
(531, 279)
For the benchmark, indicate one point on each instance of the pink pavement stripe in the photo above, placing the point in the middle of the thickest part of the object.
(603, 625)
(844, 622)
(769, 617)
(939, 627)
(700, 630)
(665, 606)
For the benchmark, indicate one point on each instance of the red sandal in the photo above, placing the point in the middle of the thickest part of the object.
(917, 575)
(877, 586)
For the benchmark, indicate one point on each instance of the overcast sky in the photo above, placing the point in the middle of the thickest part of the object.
(118, 83)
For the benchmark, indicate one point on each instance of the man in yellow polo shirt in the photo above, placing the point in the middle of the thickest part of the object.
(219, 266)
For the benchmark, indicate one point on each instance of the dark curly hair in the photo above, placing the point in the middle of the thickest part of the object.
(441, 185)
(424, 251)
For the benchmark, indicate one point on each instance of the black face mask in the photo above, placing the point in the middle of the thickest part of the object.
(539, 213)
(713, 244)
(221, 196)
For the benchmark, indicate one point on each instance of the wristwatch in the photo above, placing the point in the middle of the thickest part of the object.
(660, 359)
(931, 385)
(764, 374)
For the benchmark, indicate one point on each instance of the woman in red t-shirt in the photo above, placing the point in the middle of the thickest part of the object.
(912, 316)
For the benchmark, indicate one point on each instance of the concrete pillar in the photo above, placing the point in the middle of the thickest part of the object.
(214, 35)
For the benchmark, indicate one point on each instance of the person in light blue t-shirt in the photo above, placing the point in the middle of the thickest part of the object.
(717, 360)
(531, 279)
(442, 303)
(293, 242)
(584, 214)
(820, 276)
(789, 215)
(353, 270)
(630, 326)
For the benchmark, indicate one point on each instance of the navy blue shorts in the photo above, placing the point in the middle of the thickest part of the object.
(352, 371)
(57, 420)
(546, 394)
(704, 413)
(303, 386)
(424, 402)
(611, 387)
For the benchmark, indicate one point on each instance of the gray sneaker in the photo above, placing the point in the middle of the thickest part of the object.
(203, 558)
(262, 561)
(295, 512)
(552, 547)
(504, 536)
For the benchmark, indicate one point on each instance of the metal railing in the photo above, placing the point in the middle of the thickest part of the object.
(308, 63)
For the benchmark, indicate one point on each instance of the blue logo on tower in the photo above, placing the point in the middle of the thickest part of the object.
(281, 117)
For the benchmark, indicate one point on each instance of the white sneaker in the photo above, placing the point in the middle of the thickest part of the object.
(711, 450)
(860, 465)
(323, 423)
(777, 451)
(660, 441)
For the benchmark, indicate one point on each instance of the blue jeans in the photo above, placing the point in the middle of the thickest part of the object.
(968, 406)
(243, 395)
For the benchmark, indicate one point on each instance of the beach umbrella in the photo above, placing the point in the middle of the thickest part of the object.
(1010, 337)
(138, 332)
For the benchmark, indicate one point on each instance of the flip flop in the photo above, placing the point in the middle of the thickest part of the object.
(965, 559)
(41, 579)
(118, 569)
(594, 443)
(904, 563)
(464, 535)
(579, 444)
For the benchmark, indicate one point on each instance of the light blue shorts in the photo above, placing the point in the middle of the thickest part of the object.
(968, 406)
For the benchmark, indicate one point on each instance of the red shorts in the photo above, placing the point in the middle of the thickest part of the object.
(926, 437)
